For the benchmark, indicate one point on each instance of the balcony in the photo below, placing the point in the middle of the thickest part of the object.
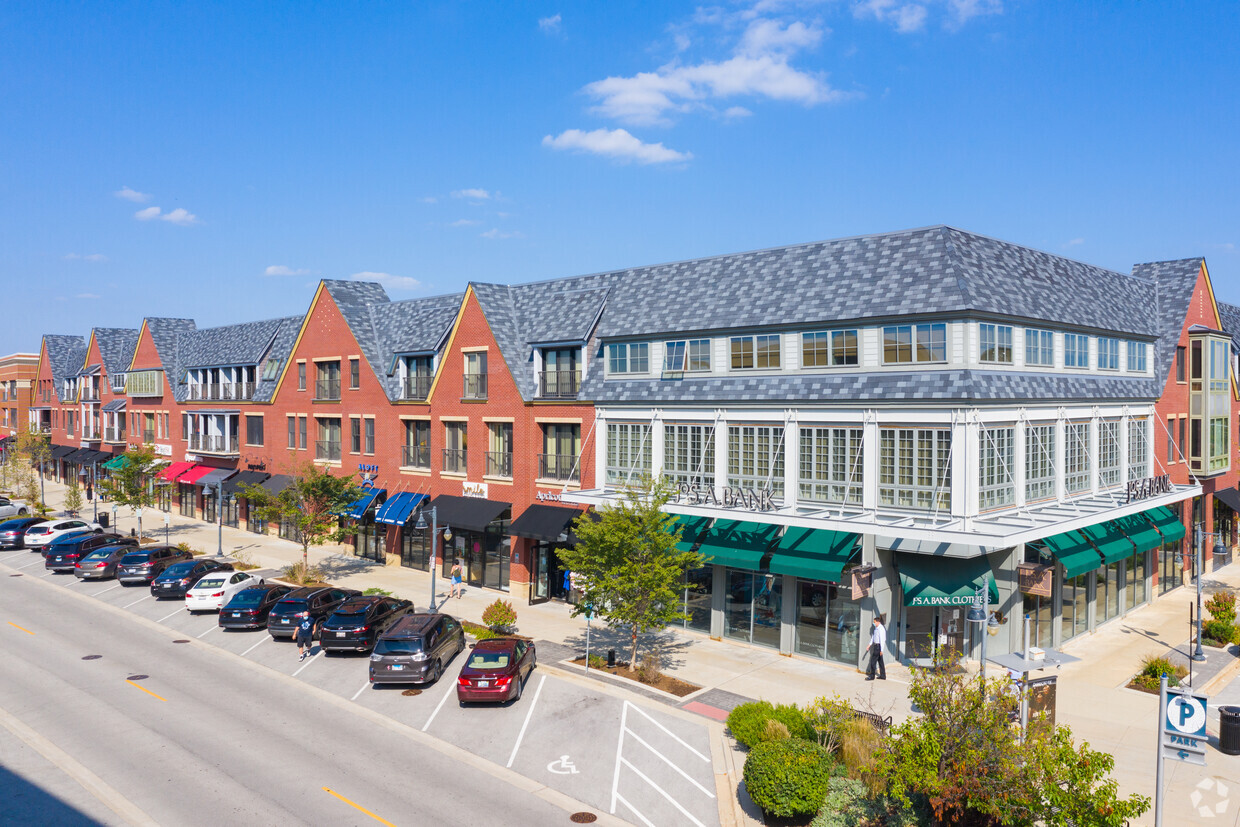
(216, 391)
(499, 464)
(560, 467)
(90, 394)
(327, 449)
(416, 456)
(454, 461)
(559, 384)
(417, 387)
(113, 434)
(474, 386)
(89, 434)
(209, 444)
(327, 390)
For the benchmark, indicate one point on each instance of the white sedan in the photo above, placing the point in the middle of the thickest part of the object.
(215, 589)
(41, 534)
(9, 508)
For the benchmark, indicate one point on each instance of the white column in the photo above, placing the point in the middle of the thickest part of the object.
(721, 452)
(1061, 469)
(1019, 460)
(964, 479)
(1094, 476)
(656, 444)
(870, 460)
(792, 442)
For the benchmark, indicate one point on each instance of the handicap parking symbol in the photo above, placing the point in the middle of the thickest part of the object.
(563, 766)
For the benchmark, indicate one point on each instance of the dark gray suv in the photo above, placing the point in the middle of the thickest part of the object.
(145, 564)
(416, 649)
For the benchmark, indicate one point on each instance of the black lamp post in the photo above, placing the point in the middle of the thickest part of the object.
(420, 525)
(1219, 550)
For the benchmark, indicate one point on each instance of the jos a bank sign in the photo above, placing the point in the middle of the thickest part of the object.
(1148, 487)
(749, 499)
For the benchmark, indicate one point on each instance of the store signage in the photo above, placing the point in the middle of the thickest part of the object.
(368, 472)
(474, 489)
(256, 466)
(1148, 487)
(548, 497)
(862, 580)
(750, 499)
(162, 450)
(1035, 580)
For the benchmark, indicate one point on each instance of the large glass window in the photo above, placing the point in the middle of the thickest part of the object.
(1039, 462)
(1108, 587)
(1138, 448)
(831, 465)
(1108, 453)
(1134, 582)
(1171, 567)
(836, 348)
(1041, 610)
(1076, 457)
(756, 457)
(628, 452)
(1039, 348)
(1218, 443)
(996, 343)
(415, 549)
(904, 344)
(1136, 356)
(698, 590)
(1075, 350)
(628, 358)
(997, 461)
(914, 469)
(417, 448)
(828, 622)
(689, 454)
(1073, 618)
(752, 607)
(1108, 353)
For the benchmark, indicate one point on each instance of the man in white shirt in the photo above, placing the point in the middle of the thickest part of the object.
(878, 641)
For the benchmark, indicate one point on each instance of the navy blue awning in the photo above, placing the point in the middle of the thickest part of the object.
(363, 502)
(396, 511)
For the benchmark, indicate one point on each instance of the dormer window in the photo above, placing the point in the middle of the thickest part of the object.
(1075, 350)
(1136, 357)
(1108, 353)
(628, 358)
(418, 373)
(755, 352)
(910, 343)
(834, 349)
(996, 342)
(561, 374)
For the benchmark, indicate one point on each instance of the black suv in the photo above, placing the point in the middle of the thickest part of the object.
(13, 532)
(317, 601)
(62, 554)
(359, 621)
(415, 649)
(179, 578)
(145, 564)
(250, 608)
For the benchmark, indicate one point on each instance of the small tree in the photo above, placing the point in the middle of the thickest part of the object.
(133, 483)
(313, 502)
(36, 448)
(631, 572)
(73, 496)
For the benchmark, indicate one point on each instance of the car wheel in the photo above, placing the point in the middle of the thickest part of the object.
(21, 512)
(438, 672)
(520, 688)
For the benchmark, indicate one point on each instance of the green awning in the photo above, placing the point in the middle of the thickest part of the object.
(1111, 542)
(944, 581)
(737, 544)
(116, 463)
(1165, 520)
(814, 554)
(1074, 551)
(1138, 529)
(692, 530)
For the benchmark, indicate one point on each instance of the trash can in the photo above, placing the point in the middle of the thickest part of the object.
(103, 520)
(1229, 730)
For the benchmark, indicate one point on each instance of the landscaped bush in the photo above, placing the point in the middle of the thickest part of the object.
(1152, 670)
(648, 669)
(1221, 630)
(378, 591)
(1217, 633)
(789, 777)
(747, 722)
(850, 804)
(479, 631)
(499, 616)
(859, 744)
(302, 574)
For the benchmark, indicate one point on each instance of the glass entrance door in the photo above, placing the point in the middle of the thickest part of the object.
(920, 631)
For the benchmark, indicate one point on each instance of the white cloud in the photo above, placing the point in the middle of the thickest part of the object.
(282, 270)
(733, 112)
(472, 194)
(464, 222)
(388, 280)
(962, 11)
(496, 233)
(94, 257)
(766, 36)
(132, 195)
(147, 214)
(1074, 242)
(911, 15)
(86, 296)
(614, 143)
(430, 199)
(550, 25)
(179, 216)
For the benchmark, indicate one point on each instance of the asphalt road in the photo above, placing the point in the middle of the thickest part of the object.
(206, 738)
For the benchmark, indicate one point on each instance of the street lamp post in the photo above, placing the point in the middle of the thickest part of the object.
(1199, 653)
(115, 530)
(977, 614)
(167, 528)
(219, 514)
(420, 525)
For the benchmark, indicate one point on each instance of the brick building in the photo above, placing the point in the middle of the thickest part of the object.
(17, 377)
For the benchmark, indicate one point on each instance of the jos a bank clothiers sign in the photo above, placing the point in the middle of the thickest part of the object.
(750, 499)
(1148, 487)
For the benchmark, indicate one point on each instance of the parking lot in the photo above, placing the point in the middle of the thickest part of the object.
(633, 760)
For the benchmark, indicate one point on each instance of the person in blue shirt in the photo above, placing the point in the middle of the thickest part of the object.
(305, 637)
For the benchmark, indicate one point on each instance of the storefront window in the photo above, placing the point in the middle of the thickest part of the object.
(230, 511)
(1134, 583)
(1170, 572)
(186, 500)
(163, 497)
(289, 530)
(752, 607)
(698, 592)
(484, 556)
(415, 548)
(369, 540)
(828, 622)
(1107, 588)
(253, 522)
(1041, 612)
(1224, 522)
(1073, 619)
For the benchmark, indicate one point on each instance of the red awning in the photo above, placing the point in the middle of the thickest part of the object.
(175, 470)
(194, 474)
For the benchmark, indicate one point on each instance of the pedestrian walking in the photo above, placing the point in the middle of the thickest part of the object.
(305, 637)
(457, 588)
(878, 642)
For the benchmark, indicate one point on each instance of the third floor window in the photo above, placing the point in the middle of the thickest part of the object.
(909, 343)
(327, 380)
(996, 342)
(475, 379)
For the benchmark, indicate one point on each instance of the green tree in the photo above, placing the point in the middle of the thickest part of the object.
(1070, 785)
(73, 496)
(36, 447)
(133, 483)
(312, 502)
(631, 572)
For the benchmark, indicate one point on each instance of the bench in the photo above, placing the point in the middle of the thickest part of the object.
(881, 724)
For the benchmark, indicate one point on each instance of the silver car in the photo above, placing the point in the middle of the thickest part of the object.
(100, 564)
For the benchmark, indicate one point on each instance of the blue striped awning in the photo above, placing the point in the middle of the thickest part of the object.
(363, 502)
(396, 511)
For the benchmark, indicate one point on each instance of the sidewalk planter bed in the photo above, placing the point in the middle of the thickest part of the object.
(748, 723)
(479, 632)
(789, 778)
(664, 683)
(1152, 670)
(1221, 629)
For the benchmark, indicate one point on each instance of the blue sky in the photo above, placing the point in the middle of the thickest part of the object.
(213, 160)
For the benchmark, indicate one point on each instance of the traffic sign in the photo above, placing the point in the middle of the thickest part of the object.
(1186, 715)
(1189, 743)
(1176, 754)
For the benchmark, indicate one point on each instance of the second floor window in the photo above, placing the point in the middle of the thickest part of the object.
(561, 449)
(1039, 462)
(628, 452)
(253, 430)
(689, 454)
(1136, 357)
(756, 458)
(755, 352)
(355, 374)
(1108, 353)
(1039, 348)
(1075, 350)
(456, 444)
(996, 341)
(292, 433)
(301, 376)
(368, 436)
(907, 344)
(417, 448)
(1076, 457)
(915, 468)
(628, 358)
(499, 449)
(355, 435)
(997, 468)
(831, 468)
(328, 446)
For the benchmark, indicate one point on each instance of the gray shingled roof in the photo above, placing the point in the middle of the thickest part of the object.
(1230, 315)
(569, 316)
(1174, 282)
(165, 334)
(354, 298)
(65, 355)
(116, 346)
(235, 344)
(281, 348)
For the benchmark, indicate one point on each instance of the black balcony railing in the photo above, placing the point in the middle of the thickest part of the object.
(113, 434)
(475, 386)
(327, 390)
(454, 460)
(90, 394)
(558, 467)
(211, 444)
(559, 384)
(499, 463)
(417, 387)
(326, 449)
(417, 456)
(89, 434)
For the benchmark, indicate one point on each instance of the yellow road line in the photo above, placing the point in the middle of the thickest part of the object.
(15, 626)
(147, 691)
(358, 807)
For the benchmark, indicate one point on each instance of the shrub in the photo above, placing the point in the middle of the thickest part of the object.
(826, 716)
(499, 615)
(773, 730)
(1222, 607)
(849, 804)
(788, 778)
(1217, 632)
(1152, 670)
(794, 719)
(859, 744)
(243, 560)
(746, 721)
(598, 662)
(648, 670)
(302, 574)
(479, 631)
(377, 590)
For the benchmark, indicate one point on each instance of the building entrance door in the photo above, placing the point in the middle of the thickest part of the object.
(547, 582)
(927, 628)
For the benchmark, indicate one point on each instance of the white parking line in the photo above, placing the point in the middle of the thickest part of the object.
(209, 628)
(661, 792)
(360, 691)
(669, 732)
(165, 617)
(313, 658)
(28, 565)
(667, 761)
(633, 809)
(261, 641)
(615, 781)
(438, 707)
(541, 680)
(105, 591)
(139, 600)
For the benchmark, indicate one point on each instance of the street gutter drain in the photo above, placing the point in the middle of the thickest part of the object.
(412, 692)
(583, 818)
(180, 641)
(92, 657)
(14, 575)
(137, 677)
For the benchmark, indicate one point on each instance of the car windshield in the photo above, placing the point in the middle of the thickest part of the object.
(135, 557)
(489, 660)
(178, 570)
(348, 617)
(13, 525)
(210, 583)
(248, 597)
(98, 555)
(291, 606)
(398, 647)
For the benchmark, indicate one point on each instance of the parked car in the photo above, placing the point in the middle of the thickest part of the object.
(250, 607)
(416, 648)
(13, 532)
(101, 563)
(63, 553)
(43, 533)
(357, 623)
(496, 670)
(178, 578)
(212, 591)
(145, 564)
(316, 601)
(12, 508)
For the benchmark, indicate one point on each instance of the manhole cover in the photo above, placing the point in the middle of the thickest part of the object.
(412, 692)
(181, 641)
(137, 677)
(92, 657)
(583, 818)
